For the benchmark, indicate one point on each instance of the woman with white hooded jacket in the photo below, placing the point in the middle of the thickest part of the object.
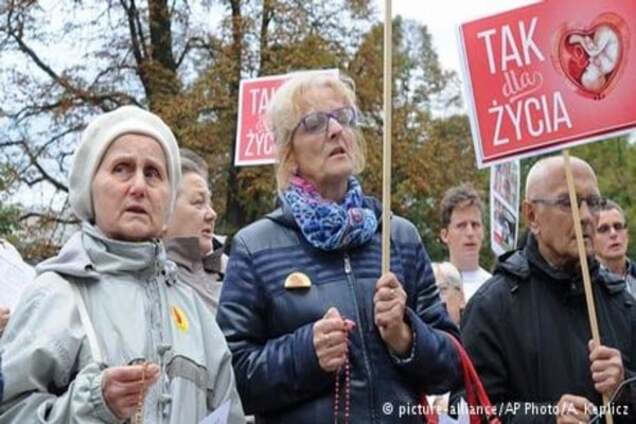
(107, 332)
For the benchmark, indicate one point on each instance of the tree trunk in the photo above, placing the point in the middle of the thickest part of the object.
(267, 15)
(161, 65)
(234, 213)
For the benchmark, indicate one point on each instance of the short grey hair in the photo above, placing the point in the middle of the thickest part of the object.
(192, 162)
(447, 275)
(612, 205)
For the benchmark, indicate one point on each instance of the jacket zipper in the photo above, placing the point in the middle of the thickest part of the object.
(351, 282)
(159, 346)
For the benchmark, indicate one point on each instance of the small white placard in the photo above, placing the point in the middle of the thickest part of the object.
(220, 414)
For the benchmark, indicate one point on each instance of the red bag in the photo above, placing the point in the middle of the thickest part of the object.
(476, 396)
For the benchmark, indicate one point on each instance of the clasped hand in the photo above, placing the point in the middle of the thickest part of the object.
(122, 387)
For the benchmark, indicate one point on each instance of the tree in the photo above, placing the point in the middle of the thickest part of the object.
(429, 153)
(155, 54)
(46, 102)
(614, 161)
(9, 214)
(271, 38)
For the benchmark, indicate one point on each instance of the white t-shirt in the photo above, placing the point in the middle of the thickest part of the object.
(472, 280)
(15, 274)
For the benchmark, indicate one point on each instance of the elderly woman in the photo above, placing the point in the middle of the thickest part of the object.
(315, 330)
(107, 332)
(451, 289)
(189, 237)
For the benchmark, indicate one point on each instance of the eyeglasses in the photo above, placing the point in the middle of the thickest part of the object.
(617, 226)
(594, 202)
(317, 122)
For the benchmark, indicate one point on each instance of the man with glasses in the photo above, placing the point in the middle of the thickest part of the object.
(610, 244)
(527, 329)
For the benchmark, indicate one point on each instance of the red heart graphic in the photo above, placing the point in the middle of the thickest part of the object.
(593, 58)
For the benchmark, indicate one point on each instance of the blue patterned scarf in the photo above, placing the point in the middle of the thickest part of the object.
(329, 225)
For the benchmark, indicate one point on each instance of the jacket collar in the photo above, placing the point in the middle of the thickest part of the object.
(522, 263)
(90, 253)
(184, 251)
(213, 262)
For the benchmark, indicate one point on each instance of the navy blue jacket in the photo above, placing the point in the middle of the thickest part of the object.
(270, 328)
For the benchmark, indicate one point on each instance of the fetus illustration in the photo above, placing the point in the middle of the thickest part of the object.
(592, 55)
(603, 52)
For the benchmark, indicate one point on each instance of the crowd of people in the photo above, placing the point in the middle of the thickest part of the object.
(141, 316)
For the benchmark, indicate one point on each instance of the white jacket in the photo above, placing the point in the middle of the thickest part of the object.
(139, 311)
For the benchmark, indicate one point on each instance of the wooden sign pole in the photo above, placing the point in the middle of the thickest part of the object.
(386, 161)
(585, 270)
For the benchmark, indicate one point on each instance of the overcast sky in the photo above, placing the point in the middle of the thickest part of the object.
(443, 18)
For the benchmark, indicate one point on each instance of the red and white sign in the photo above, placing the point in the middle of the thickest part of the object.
(254, 142)
(550, 75)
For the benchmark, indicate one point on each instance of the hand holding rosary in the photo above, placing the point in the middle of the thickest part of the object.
(124, 389)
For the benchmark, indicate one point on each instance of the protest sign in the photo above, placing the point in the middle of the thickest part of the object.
(16, 276)
(254, 142)
(549, 75)
(504, 206)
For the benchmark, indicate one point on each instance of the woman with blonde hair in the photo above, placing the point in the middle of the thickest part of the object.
(316, 331)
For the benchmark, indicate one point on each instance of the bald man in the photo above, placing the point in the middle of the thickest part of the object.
(527, 330)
